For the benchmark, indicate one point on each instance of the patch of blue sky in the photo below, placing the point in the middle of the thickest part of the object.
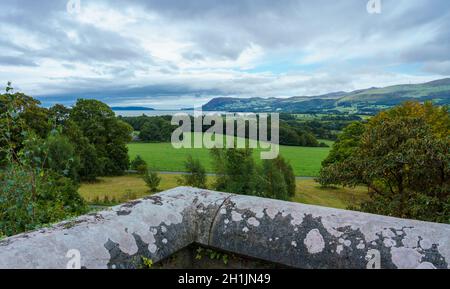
(285, 63)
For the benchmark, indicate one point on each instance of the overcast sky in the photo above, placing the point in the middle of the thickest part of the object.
(172, 54)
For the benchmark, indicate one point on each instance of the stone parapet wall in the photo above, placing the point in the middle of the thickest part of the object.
(290, 234)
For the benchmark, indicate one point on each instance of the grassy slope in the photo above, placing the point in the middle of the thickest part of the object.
(163, 157)
(118, 187)
(123, 187)
(401, 91)
(308, 192)
(375, 98)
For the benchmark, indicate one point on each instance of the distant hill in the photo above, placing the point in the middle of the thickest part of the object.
(365, 101)
(131, 108)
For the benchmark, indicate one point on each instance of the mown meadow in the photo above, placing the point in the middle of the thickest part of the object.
(306, 161)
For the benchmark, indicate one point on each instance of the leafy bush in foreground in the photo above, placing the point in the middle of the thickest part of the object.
(238, 173)
(35, 188)
(196, 174)
(152, 180)
(139, 165)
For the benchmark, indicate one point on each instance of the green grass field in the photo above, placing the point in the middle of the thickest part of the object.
(163, 157)
(310, 192)
(123, 188)
(127, 188)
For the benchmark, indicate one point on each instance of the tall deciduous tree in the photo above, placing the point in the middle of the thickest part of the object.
(21, 113)
(105, 132)
(90, 166)
(278, 179)
(34, 189)
(404, 159)
(346, 143)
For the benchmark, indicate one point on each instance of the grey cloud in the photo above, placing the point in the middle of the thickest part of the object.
(48, 20)
(222, 30)
(438, 49)
(16, 61)
(226, 28)
(442, 68)
(116, 94)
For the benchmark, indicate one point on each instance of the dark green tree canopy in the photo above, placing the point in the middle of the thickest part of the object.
(38, 168)
(403, 158)
(107, 134)
(278, 179)
(346, 143)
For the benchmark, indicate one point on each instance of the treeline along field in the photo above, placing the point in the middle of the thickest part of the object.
(292, 132)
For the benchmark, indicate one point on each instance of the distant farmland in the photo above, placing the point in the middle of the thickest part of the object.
(163, 157)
